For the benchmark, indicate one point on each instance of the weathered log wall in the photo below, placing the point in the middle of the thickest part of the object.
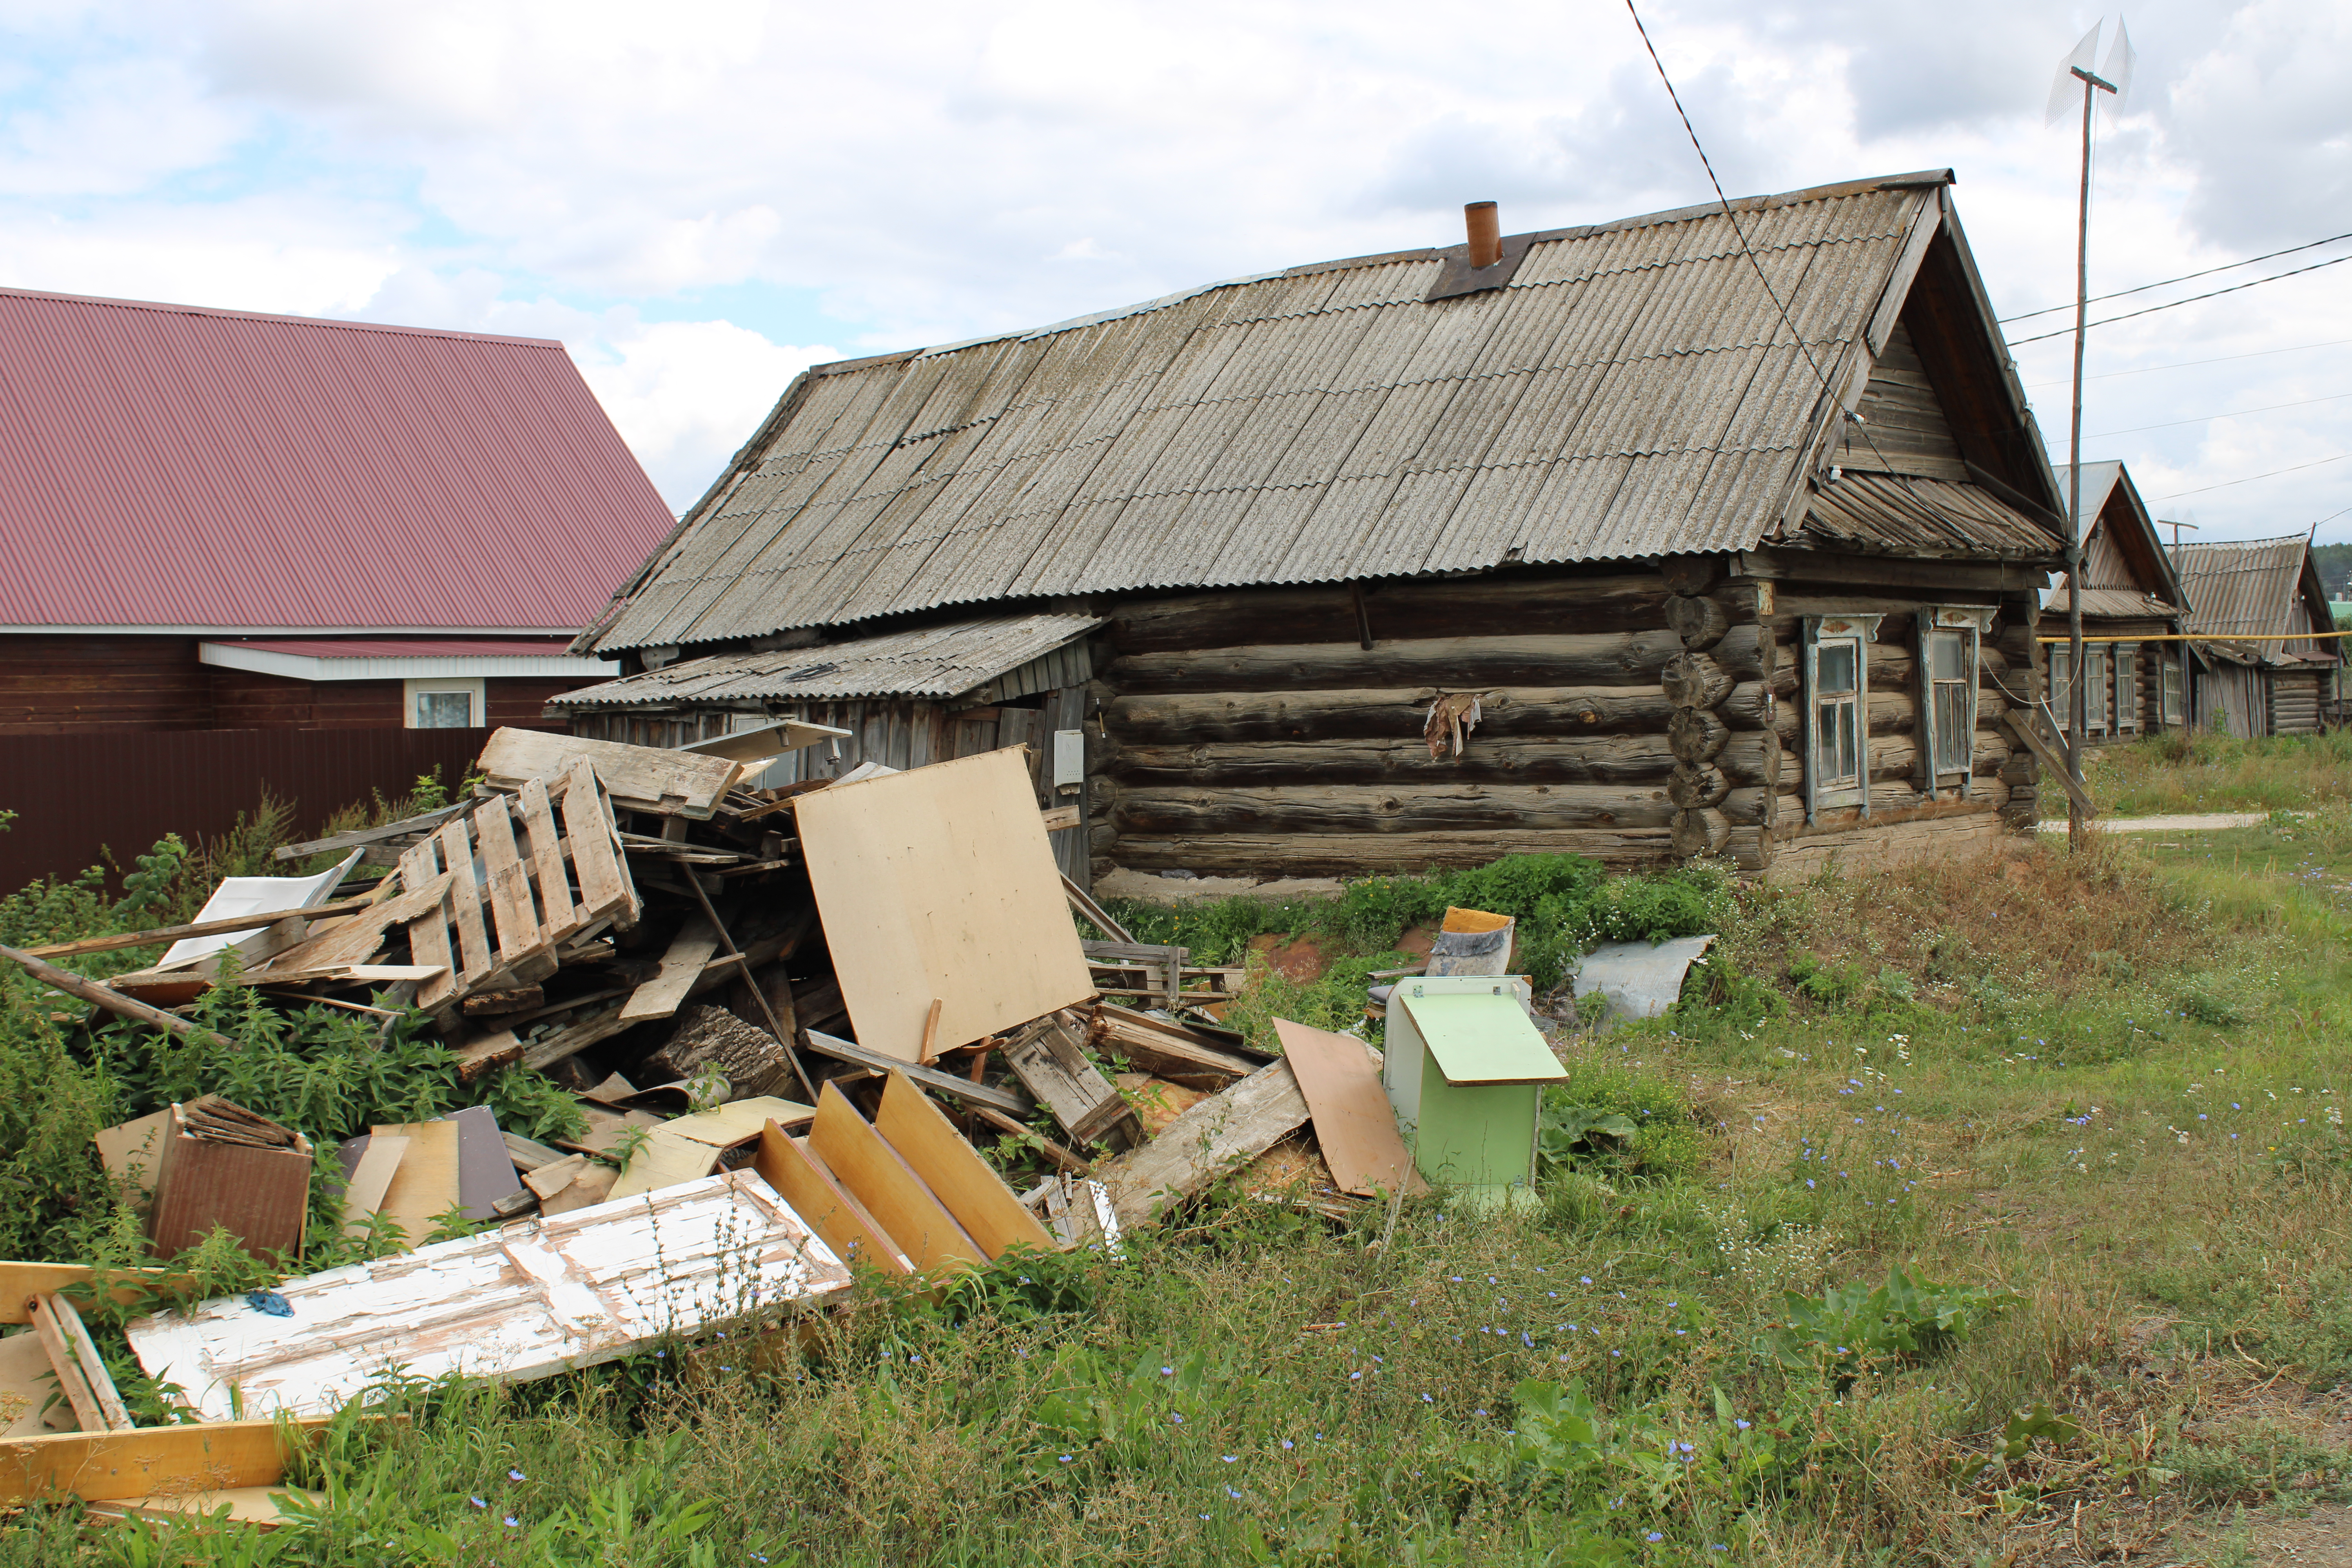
(1636, 715)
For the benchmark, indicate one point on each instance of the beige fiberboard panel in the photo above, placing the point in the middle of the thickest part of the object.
(939, 883)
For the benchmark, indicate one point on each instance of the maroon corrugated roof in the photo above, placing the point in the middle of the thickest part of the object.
(169, 466)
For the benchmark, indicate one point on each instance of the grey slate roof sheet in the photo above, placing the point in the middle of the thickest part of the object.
(2242, 587)
(1631, 393)
(940, 661)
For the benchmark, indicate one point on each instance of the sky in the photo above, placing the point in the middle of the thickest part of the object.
(699, 199)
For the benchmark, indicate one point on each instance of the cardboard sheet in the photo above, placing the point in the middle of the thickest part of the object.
(939, 883)
(1354, 1123)
(425, 1182)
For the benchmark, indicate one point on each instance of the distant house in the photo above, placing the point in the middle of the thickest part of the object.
(2130, 592)
(2247, 599)
(1563, 540)
(211, 519)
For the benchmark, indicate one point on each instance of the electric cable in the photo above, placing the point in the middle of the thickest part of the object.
(2152, 310)
(2185, 276)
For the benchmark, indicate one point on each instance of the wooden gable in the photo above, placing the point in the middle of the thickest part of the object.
(1899, 426)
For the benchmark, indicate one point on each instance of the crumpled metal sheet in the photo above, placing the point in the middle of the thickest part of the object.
(1637, 980)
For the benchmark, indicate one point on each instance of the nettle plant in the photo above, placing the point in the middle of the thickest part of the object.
(1848, 1332)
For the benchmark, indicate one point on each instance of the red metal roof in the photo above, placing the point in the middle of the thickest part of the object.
(169, 466)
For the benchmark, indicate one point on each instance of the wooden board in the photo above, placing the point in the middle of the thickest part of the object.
(260, 1507)
(1217, 1135)
(262, 1197)
(871, 1171)
(525, 1301)
(966, 1185)
(605, 887)
(560, 917)
(1051, 1067)
(681, 966)
(940, 882)
(665, 1159)
(81, 1371)
(102, 1466)
(26, 1387)
(1341, 1078)
(20, 1282)
(591, 1186)
(786, 1164)
(485, 1172)
(363, 1194)
(643, 778)
(425, 1182)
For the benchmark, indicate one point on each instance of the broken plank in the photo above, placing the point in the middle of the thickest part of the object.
(364, 835)
(643, 778)
(84, 1382)
(965, 1185)
(540, 1055)
(681, 965)
(1089, 1106)
(1217, 1135)
(606, 888)
(1166, 1049)
(200, 927)
(103, 1466)
(113, 1001)
(527, 1155)
(938, 1082)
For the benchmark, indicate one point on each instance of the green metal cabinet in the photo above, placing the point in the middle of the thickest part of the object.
(1465, 1070)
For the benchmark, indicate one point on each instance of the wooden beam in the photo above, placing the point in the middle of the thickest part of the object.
(200, 927)
(1084, 902)
(938, 1082)
(115, 1001)
(1213, 1137)
(103, 1466)
(364, 836)
(2053, 761)
(81, 1371)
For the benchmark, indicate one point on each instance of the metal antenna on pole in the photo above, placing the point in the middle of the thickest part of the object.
(2077, 65)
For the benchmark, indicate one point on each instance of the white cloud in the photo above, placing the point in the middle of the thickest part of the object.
(684, 394)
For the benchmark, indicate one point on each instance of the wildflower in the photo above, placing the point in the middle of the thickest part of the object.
(513, 1523)
(1289, 1444)
(1741, 1424)
(1176, 1418)
(1167, 1372)
(477, 1502)
(1231, 1493)
(1231, 1457)
(516, 1475)
(1426, 1400)
(1654, 1535)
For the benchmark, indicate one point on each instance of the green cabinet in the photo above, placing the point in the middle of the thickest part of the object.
(1465, 1070)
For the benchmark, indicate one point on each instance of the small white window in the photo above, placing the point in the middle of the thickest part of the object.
(2171, 707)
(2095, 689)
(2061, 685)
(1950, 637)
(1837, 711)
(2126, 688)
(455, 704)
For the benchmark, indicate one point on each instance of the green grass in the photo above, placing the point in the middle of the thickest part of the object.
(2089, 1103)
(2181, 773)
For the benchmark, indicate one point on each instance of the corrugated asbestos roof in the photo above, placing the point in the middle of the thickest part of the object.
(2148, 565)
(940, 661)
(1632, 392)
(166, 465)
(2243, 587)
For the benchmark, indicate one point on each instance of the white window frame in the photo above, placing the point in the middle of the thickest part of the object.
(2098, 687)
(2061, 682)
(1970, 624)
(2172, 688)
(473, 688)
(1861, 631)
(2125, 676)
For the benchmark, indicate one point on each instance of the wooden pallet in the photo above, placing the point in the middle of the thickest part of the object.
(514, 887)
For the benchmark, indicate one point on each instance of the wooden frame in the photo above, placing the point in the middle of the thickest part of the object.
(1964, 626)
(2125, 676)
(1859, 631)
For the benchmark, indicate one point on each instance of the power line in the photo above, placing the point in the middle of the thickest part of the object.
(2189, 364)
(2225, 414)
(2250, 479)
(2128, 315)
(2185, 276)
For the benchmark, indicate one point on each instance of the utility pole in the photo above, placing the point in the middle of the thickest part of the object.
(2077, 689)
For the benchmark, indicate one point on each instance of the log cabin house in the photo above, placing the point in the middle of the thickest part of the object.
(1583, 540)
(2129, 592)
(214, 520)
(2268, 589)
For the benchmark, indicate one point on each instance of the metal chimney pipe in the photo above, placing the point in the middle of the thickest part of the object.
(1485, 233)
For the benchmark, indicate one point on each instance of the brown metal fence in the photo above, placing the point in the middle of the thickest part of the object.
(79, 797)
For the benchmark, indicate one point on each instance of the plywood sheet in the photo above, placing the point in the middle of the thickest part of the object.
(486, 1170)
(371, 1178)
(1354, 1124)
(425, 1182)
(965, 1183)
(939, 883)
(523, 1301)
(665, 1159)
(1482, 1038)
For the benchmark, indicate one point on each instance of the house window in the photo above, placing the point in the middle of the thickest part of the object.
(454, 704)
(2094, 689)
(2126, 687)
(1837, 711)
(2061, 685)
(1949, 636)
(2173, 678)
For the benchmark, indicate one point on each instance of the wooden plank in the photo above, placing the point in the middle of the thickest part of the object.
(558, 917)
(544, 1054)
(643, 778)
(426, 1183)
(20, 1282)
(102, 1466)
(931, 1078)
(363, 1194)
(605, 889)
(59, 1325)
(786, 1164)
(526, 1300)
(1086, 1104)
(767, 741)
(665, 1159)
(522, 945)
(1339, 1077)
(966, 1185)
(681, 966)
(1166, 1049)
(939, 883)
(30, 1404)
(364, 835)
(66, 1368)
(428, 929)
(476, 960)
(1084, 902)
(486, 1174)
(2053, 761)
(1219, 1135)
(871, 1171)
(259, 1506)
(113, 1001)
(356, 940)
(201, 928)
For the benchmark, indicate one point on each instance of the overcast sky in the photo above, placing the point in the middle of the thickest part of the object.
(701, 198)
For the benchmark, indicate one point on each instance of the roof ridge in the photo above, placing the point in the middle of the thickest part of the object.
(167, 308)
